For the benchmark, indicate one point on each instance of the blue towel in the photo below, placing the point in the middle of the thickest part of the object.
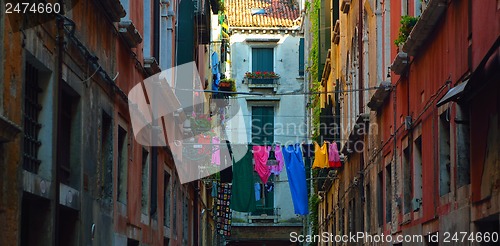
(257, 192)
(296, 172)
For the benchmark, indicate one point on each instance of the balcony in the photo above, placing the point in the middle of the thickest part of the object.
(129, 33)
(336, 32)
(114, 9)
(263, 83)
(345, 6)
(151, 66)
(424, 27)
(378, 98)
(264, 215)
(400, 63)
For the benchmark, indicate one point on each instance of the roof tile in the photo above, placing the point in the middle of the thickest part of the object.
(279, 13)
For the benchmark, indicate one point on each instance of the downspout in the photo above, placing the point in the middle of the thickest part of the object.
(156, 30)
(154, 150)
(57, 94)
(360, 63)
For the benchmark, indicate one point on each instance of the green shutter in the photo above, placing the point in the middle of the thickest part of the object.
(262, 125)
(301, 57)
(262, 59)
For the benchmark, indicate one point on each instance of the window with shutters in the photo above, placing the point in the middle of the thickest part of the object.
(263, 59)
(262, 125)
(444, 153)
(166, 199)
(301, 57)
(145, 182)
(106, 157)
(69, 137)
(122, 165)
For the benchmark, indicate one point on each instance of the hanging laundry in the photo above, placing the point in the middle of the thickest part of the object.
(226, 162)
(308, 150)
(243, 183)
(333, 156)
(214, 189)
(215, 63)
(296, 178)
(320, 156)
(276, 170)
(269, 186)
(216, 151)
(257, 191)
(260, 155)
(224, 214)
(204, 140)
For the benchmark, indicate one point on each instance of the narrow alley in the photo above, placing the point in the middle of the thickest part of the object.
(249, 122)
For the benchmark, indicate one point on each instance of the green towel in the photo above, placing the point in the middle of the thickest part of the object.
(243, 190)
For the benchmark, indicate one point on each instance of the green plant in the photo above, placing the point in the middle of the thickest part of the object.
(201, 124)
(407, 24)
(261, 75)
(228, 83)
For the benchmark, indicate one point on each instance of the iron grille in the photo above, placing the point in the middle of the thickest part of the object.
(31, 126)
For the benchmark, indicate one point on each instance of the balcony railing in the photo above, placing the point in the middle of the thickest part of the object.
(264, 215)
(263, 83)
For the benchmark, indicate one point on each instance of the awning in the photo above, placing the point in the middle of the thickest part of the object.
(453, 94)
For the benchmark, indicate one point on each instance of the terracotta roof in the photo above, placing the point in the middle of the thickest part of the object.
(278, 13)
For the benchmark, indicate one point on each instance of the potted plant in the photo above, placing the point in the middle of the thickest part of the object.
(407, 24)
(261, 75)
(227, 84)
(201, 124)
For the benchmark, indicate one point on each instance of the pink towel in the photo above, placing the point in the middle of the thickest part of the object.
(216, 151)
(276, 170)
(333, 155)
(260, 155)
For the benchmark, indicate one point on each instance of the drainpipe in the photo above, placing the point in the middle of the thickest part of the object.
(360, 63)
(166, 20)
(57, 95)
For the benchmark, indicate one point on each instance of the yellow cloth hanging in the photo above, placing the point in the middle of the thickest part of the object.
(320, 156)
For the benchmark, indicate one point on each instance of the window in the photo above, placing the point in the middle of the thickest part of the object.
(404, 7)
(368, 207)
(388, 193)
(407, 181)
(68, 137)
(380, 205)
(265, 204)
(175, 190)
(107, 156)
(145, 181)
(463, 145)
(147, 29)
(301, 57)
(166, 199)
(417, 169)
(262, 125)
(31, 111)
(185, 219)
(262, 59)
(122, 165)
(444, 153)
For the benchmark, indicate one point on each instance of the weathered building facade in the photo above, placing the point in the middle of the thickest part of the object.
(416, 142)
(71, 170)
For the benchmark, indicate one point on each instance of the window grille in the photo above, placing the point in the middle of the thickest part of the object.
(32, 109)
